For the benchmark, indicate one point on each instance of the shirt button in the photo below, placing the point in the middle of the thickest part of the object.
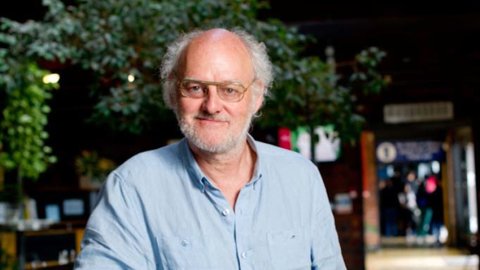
(184, 243)
(225, 212)
(244, 255)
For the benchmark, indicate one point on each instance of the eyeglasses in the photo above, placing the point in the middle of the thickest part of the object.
(227, 91)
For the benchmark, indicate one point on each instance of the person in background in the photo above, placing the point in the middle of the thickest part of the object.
(390, 207)
(430, 202)
(408, 201)
(436, 197)
(217, 199)
(424, 206)
(412, 180)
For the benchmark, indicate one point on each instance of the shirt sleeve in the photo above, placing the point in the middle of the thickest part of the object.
(326, 252)
(115, 236)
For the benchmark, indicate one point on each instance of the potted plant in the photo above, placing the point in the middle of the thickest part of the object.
(92, 169)
(24, 110)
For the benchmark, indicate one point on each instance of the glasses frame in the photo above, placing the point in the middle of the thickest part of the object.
(217, 84)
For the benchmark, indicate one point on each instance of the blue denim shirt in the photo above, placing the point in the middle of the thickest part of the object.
(159, 211)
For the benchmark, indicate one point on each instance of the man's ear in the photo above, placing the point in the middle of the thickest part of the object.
(259, 95)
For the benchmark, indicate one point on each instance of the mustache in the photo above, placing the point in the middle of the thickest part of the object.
(213, 117)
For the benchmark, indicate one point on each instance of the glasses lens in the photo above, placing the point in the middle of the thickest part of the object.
(193, 89)
(230, 91)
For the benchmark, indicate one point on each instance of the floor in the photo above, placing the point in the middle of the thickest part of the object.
(416, 258)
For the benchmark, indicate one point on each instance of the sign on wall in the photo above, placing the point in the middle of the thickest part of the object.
(418, 112)
(409, 151)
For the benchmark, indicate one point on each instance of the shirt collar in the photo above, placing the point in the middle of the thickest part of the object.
(200, 178)
(257, 172)
(191, 164)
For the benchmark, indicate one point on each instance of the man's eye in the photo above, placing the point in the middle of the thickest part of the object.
(195, 88)
(230, 91)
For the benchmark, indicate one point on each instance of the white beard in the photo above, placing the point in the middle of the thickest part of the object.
(230, 142)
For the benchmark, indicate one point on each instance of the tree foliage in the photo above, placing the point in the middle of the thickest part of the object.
(118, 39)
(24, 111)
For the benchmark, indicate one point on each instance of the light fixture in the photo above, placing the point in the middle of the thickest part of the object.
(51, 78)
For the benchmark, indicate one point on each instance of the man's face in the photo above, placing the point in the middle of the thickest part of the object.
(211, 123)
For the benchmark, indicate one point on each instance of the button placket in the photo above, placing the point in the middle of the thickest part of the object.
(218, 201)
(243, 225)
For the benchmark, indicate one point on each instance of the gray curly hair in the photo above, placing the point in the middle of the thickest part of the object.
(262, 65)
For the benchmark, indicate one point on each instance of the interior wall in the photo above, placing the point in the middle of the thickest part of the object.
(371, 215)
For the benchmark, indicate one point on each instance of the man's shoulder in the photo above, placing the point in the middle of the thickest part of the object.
(165, 153)
(153, 160)
(277, 154)
(287, 169)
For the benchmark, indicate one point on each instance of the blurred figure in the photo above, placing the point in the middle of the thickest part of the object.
(408, 201)
(425, 212)
(389, 207)
(412, 182)
(430, 203)
(436, 196)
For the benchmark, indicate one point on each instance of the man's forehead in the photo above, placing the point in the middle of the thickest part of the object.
(218, 34)
(221, 51)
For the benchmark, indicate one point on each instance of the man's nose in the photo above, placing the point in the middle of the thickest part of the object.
(212, 102)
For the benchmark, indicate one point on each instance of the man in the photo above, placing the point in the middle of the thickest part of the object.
(217, 199)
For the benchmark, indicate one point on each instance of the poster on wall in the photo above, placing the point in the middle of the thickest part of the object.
(327, 147)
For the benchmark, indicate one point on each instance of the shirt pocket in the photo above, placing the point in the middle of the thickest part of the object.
(289, 250)
(184, 253)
